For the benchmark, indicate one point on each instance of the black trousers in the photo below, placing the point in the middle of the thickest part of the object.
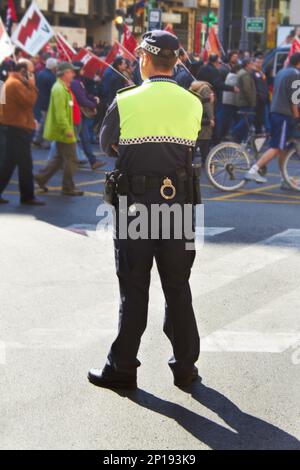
(260, 116)
(134, 260)
(18, 154)
(2, 144)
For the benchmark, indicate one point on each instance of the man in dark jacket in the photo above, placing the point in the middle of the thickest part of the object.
(45, 81)
(88, 106)
(246, 101)
(113, 81)
(211, 73)
(262, 93)
(182, 75)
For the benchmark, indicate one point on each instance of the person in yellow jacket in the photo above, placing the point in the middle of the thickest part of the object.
(152, 130)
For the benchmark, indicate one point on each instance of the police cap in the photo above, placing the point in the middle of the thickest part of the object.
(157, 41)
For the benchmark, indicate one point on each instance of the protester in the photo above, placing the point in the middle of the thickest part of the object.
(210, 73)
(229, 64)
(113, 80)
(262, 94)
(45, 81)
(228, 115)
(62, 116)
(88, 107)
(18, 118)
(206, 95)
(246, 101)
(182, 75)
(284, 114)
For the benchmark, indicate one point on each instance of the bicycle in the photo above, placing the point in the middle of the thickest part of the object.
(227, 163)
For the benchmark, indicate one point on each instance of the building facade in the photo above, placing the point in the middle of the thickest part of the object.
(82, 21)
(184, 16)
(232, 23)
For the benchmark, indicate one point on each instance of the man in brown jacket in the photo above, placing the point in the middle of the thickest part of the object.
(16, 115)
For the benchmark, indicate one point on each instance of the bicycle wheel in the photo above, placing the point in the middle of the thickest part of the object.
(291, 169)
(226, 165)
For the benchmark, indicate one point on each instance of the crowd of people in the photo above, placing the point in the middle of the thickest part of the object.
(52, 104)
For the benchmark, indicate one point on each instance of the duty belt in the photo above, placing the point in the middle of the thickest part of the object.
(168, 186)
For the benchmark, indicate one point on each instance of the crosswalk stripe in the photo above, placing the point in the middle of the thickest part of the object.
(271, 329)
(240, 262)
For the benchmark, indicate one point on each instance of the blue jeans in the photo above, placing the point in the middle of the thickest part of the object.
(227, 118)
(241, 129)
(85, 140)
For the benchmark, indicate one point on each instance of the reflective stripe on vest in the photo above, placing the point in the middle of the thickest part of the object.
(159, 112)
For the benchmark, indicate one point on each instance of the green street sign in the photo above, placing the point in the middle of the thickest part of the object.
(255, 25)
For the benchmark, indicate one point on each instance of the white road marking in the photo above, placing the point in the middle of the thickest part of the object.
(271, 329)
(240, 262)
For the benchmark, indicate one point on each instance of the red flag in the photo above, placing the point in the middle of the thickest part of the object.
(212, 45)
(126, 53)
(119, 50)
(93, 65)
(295, 47)
(198, 32)
(113, 53)
(65, 51)
(169, 28)
(129, 41)
(11, 15)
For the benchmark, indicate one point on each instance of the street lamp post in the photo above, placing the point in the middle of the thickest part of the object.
(208, 19)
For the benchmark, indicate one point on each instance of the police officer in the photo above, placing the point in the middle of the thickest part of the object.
(153, 129)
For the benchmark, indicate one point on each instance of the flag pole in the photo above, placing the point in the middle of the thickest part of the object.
(185, 67)
(124, 48)
(110, 66)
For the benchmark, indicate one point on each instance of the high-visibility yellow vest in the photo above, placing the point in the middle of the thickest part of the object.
(159, 112)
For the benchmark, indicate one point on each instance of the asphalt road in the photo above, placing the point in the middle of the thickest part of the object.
(59, 301)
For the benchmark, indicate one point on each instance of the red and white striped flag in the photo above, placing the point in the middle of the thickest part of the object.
(65, 50)
(93, 65)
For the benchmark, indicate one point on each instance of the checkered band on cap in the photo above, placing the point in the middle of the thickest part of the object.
(148, 47)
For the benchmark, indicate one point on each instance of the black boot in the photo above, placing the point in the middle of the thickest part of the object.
(186, 381)
(107, 378)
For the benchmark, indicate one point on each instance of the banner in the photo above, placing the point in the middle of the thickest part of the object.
(6, 46)
(11, 16)
(119, 50)
(129, 41)
(212, 46)
(33, 32)
(295, 47)
(66, 52)
(92, 65)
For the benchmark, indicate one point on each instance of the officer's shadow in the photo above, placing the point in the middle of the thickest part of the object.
(247, 432)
